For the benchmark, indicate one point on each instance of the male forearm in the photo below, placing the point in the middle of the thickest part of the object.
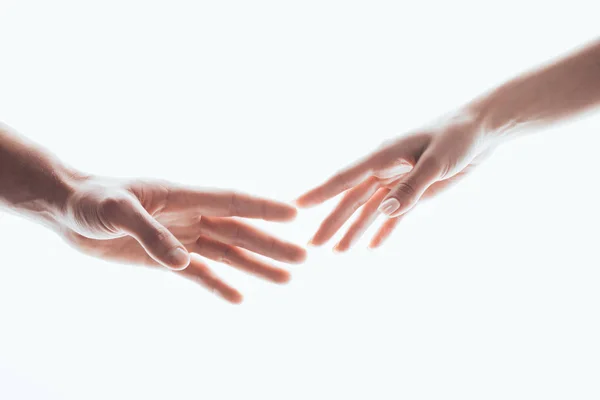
(33, 182)
(554, 92)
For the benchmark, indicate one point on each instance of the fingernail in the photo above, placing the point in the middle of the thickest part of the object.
(179, 258)
(389, 206)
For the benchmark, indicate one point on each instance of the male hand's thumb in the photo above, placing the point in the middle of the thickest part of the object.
(128, 215)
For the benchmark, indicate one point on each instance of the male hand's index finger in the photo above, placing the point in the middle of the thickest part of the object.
(227, 203)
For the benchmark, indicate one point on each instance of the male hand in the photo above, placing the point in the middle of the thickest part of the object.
(160, 223)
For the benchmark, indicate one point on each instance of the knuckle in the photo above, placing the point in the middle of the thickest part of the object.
(423, 137)
(225, 256)
(159, 236)
(204, 225)
(349, 204)
(200, 245)
(236, 236)
(340, 179)
(406, 189)
(271, 245)
(354, 206)
(233, 204)
(387, 143)
(264, 210)
(433, 163)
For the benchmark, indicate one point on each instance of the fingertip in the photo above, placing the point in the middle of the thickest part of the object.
(373, 244)
(236, 298)
(284, 278)
(340, 248)
(316, 241)
(303, 255)
(300, 256)
(293, 213)
(178, 259)
(279, 276)
(285, 213)
(229, 294)
(304, 201)
(299, 203)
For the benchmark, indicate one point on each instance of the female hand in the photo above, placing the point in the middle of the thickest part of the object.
(397, 176)
(159, 223)
(419, 165)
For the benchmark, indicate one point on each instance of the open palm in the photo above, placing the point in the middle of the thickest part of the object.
(157, 223)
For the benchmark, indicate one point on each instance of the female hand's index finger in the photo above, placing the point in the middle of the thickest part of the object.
(392, 158)
(335, 185)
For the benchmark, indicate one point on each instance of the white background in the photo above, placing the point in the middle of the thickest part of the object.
(492, 291)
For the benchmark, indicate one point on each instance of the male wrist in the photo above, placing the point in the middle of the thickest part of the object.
(45, 197)
(65, 183)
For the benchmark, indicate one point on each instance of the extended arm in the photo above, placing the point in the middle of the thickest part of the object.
(33, 182)
(557, 91)
(420, 164)
(145, 221)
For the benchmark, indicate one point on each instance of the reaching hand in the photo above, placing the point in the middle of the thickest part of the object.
(395, 177)
(160, 223)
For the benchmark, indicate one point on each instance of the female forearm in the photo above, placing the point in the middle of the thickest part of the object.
(549, 94)
(33, 182)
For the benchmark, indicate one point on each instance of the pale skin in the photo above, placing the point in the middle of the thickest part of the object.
(145, 222)
(158, 223)
(414, 167)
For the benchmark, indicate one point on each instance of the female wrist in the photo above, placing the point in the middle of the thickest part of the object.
(488, 122)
